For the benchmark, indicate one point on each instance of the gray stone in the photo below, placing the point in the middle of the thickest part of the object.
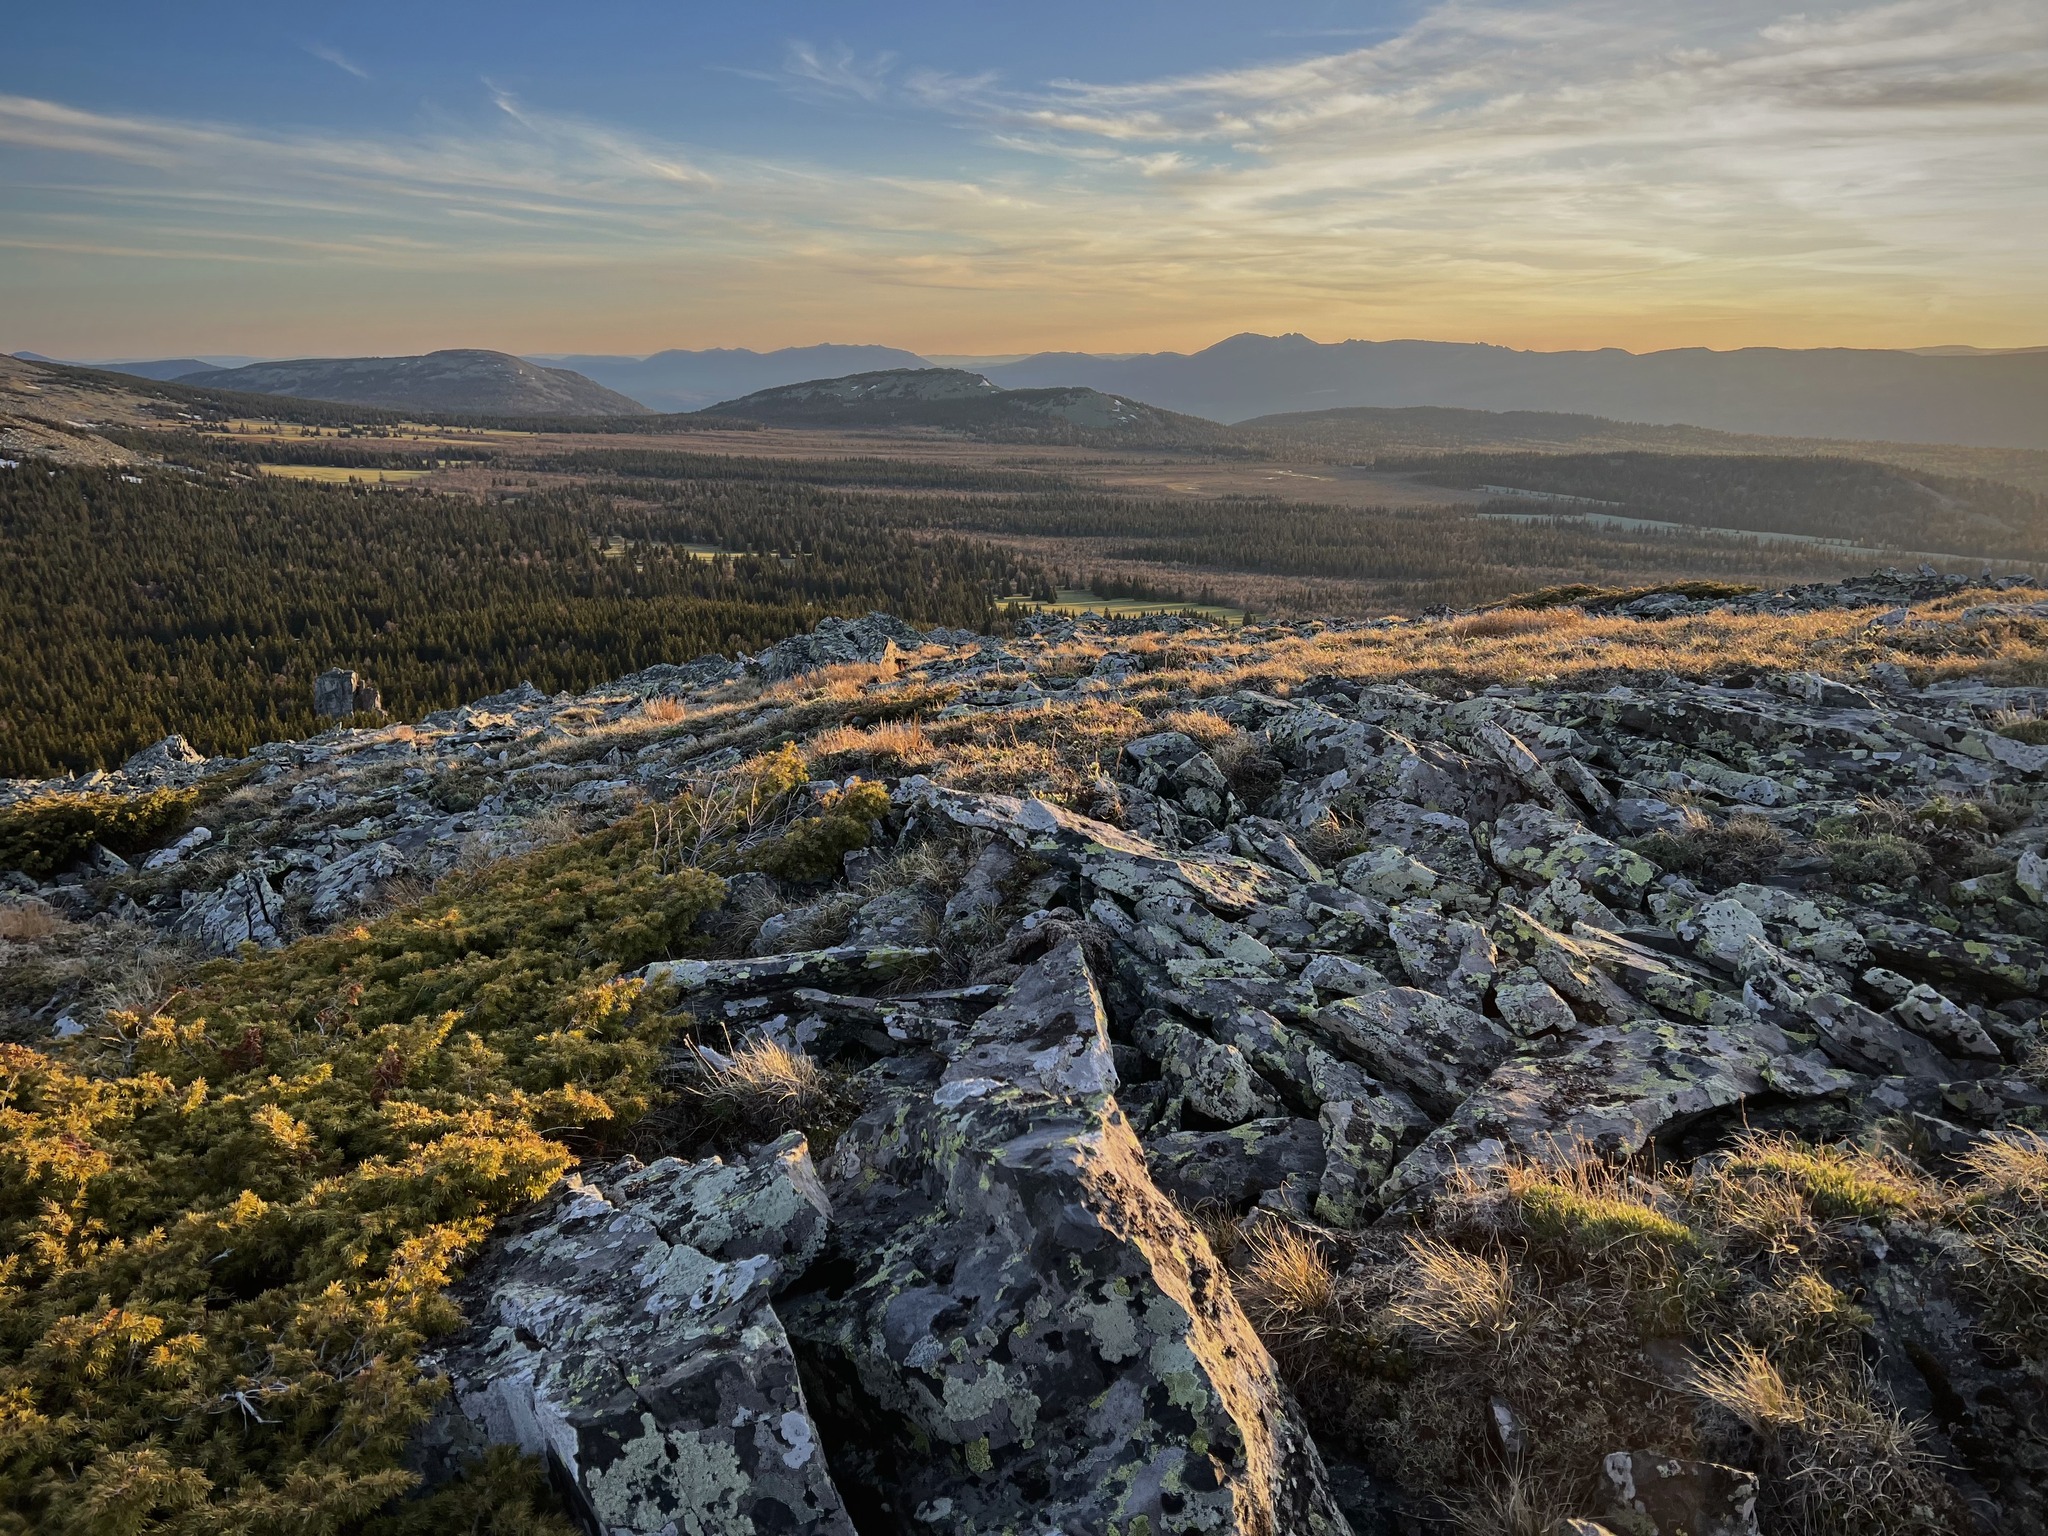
(334, 694)
(1020, 1305)
(1534, 844)
(171, 760)
(1669, 1496)
(1427, 1045)
(834, 967)
(1613, 1089)
(626, 1334)
(243, 911)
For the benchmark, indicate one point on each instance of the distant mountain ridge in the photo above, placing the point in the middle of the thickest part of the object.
(1997, 399)
(954, 399)
(457, 380)
(678, 380)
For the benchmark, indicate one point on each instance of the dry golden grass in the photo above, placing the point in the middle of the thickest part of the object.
(664, 711)
(2012, 1167)
(842, 681)
(1287, 1288)
(1515, 646)
(1516, 623)
(1198, 725)
(1743, 1382)
(893, 747)
(1054, 752)
(1455, 1299)
(29, 922)
(766, 1089)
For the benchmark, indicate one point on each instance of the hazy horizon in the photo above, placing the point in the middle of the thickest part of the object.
(941, 359)
(1542, 174)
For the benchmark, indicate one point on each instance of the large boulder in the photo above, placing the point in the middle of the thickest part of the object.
(1014, 1327)
(625, 1332)
(243, 911)
(836, 642)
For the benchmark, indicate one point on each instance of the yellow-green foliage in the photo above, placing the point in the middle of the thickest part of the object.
(52, 832)
(1558, 1210)
(225, 1231)
(1837, 1183)
(811, 849)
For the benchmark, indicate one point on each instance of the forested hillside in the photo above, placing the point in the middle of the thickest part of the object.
(1825, 497)
(207, 607)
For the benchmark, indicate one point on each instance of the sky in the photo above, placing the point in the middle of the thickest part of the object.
(960, 178)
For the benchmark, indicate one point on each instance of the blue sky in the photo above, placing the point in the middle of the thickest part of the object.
(281, 179)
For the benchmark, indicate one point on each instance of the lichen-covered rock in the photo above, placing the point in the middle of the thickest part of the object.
(1362, 1140)
(1530, 1006)
(1670, 1496)
(834, 967)
(835, 642)
(1611, 1090)
(1535, 844)
(625, 1332)
(1934, 1018)
(1170, 764)
(1431, 1047)
(1450, 956)
(1211, 1078)
(1015, 1329)
(244, 911)
(2002, 964)
(1864, 1041)
(1229, 1171)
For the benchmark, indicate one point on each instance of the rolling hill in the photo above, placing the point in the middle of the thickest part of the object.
(1366, 433)
(688, 381)
(953, 399)
(462, 380)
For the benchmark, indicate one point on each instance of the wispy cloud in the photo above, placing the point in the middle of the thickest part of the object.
(338, 59)
(1571, 168)
(839, 71)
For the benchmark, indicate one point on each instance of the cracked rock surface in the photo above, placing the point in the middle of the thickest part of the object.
(1428, 937)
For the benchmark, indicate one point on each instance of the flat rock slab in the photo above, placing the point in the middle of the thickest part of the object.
(839, 966)
(1609, 1092)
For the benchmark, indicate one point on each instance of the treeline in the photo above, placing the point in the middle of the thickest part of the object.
(1286, 538)
(195, 450)
(1834, 498)
(906, 474)
(207, 607)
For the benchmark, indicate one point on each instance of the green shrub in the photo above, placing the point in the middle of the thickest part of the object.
(49, 833)
(463, 789)
(1881, 860)
(226, 1231)
(1739, 849)
(812, 849)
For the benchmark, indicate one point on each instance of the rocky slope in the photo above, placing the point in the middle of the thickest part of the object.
(459, 380)
(1312, 956)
